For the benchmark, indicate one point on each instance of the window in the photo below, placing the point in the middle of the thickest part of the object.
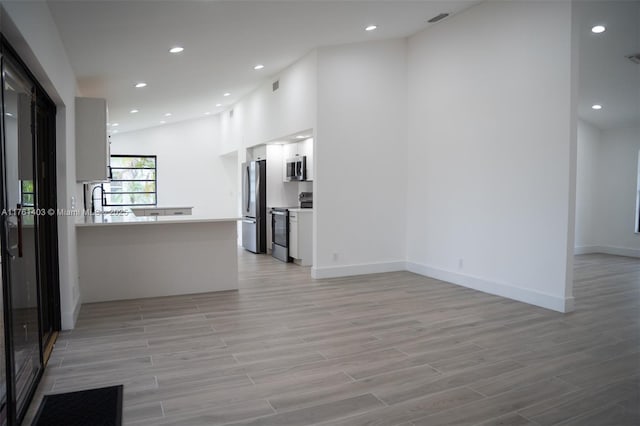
(28, 194)
(133, 181)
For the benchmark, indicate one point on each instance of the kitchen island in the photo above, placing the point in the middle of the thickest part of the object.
(129, 257)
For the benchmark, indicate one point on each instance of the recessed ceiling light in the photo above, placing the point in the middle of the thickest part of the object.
(218, 105)
(258, 67)
(168, 114)
(162, 121)
(207, 113)
(115, 131)
(176, 49)
(227, 94)
(300, 137)
(141, 84)
(598, 29)
(133, 111)
(371, 28)
(115, 125)
(596, 107)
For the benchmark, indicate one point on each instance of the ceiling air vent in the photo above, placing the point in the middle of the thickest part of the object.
(634, 58)
(438, 18)
(276, 85)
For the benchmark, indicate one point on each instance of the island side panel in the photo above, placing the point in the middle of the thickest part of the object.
(130, 262)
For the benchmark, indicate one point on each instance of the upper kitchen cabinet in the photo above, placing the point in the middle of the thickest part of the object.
(92, 141)
(300, 149)
(257, 153)
(306, 148)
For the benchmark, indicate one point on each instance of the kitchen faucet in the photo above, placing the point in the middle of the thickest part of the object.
(93, 207)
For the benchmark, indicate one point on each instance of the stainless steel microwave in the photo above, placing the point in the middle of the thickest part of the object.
(296, 169)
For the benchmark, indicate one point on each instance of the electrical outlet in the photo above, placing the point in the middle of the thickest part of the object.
(73, 202)
(460, 263)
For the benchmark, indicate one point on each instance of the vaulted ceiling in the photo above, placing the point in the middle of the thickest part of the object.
(113, 45)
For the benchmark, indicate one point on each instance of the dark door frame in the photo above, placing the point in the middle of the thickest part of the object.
(44, 145)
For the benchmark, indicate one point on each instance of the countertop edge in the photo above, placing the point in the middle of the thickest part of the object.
(166, 220)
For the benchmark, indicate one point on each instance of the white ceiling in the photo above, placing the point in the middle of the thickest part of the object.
(606, 77)
(114, 44)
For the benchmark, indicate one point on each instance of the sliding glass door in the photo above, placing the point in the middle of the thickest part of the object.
(21, 229)
(29, 300)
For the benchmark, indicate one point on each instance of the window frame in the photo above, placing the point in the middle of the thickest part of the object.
(32, 193)
(155, 180)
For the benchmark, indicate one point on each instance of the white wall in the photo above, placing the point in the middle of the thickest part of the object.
(490, 145)
(586, 187)
(31, 30)
(607, 191)
(617, 191)
(279, 193)
(360, 157)
(264, 115)
(190, 170)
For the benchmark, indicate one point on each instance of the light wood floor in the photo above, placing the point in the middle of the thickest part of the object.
(386, 349)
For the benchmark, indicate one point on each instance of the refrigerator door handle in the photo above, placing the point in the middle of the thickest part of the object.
(249, 220)
(248, 188)
(258, 190)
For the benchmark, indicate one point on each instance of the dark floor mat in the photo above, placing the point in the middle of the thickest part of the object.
(92, 407)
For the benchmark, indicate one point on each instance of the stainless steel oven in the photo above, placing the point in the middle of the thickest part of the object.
(280, 233)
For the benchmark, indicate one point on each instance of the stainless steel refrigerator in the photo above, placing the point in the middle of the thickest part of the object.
(254, 206)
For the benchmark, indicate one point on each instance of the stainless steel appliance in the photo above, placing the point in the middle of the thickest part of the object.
(254, 206)
(280, 233)
(297, 168)
(306, 200)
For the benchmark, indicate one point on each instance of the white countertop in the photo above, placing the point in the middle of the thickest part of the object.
(131, 219)
(161, 208)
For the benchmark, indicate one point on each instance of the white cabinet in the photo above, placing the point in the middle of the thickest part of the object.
(179, 211)
(293, 235)
(168, 211)
(257, 153)
(154, 212)
(92, 141)
(300, 235)
(290, 150)
(299, 149)
(306, 148)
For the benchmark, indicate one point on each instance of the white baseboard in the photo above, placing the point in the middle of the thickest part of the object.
(616, 251)
(585, 250)
(360, 269)
(548, 301)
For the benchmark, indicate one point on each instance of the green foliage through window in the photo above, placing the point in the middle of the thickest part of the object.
(133, 181)
(28, 193)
